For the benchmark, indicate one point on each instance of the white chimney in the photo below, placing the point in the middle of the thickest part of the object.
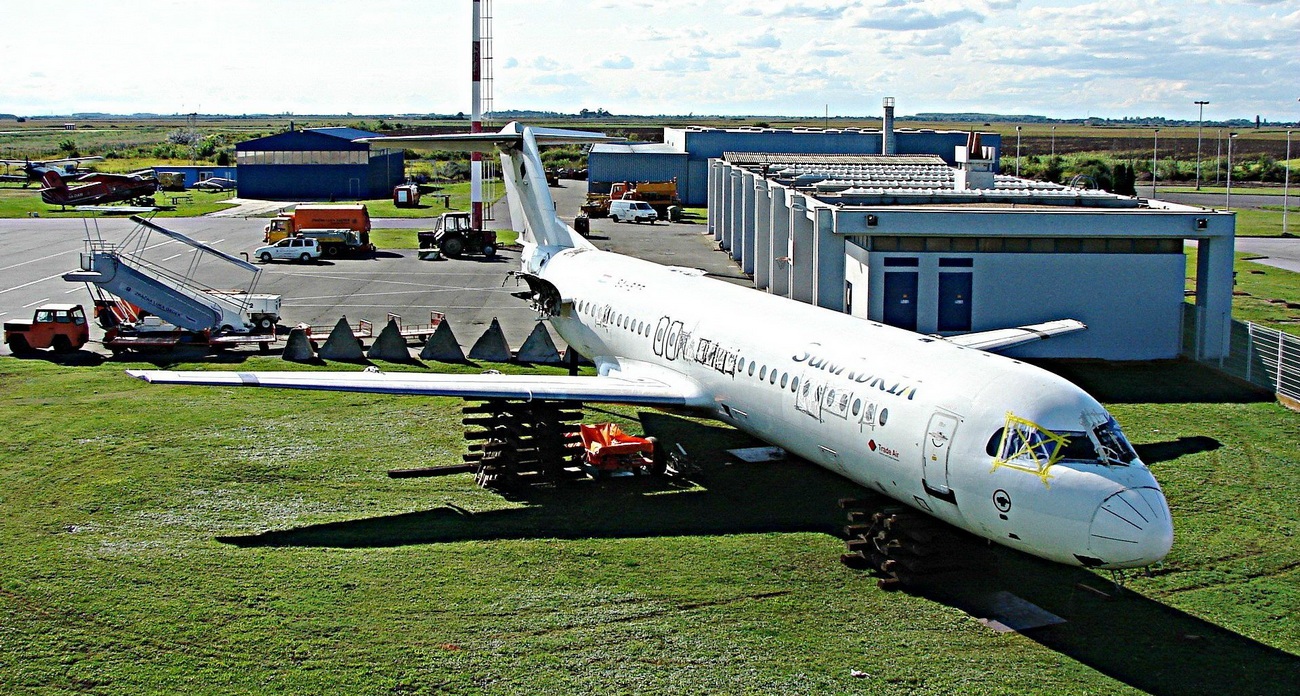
(974, 165)
(888, 147)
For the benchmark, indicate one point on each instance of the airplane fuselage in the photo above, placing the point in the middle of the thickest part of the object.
(911, 416)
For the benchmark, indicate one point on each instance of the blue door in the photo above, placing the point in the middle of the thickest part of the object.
(954, 301)
(900, 299)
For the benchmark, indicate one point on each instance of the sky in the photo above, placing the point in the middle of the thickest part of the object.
(1109, 58)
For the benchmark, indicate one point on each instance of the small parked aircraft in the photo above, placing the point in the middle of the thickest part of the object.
(216, 184)
(33, 171)
(1002, 449)
(98, 188)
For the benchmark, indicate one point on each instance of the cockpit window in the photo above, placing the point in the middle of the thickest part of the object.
(1025, 445)
(1078, 447)
(1114, 447)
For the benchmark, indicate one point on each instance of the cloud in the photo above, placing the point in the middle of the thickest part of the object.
(511, 62)
(764, 40)
(825, 49)
(682, 34)
(561, 80)
(925, 43)
(799, 10)
(682, 64)
(619, 63)
(544, 63)
(897, 15)
(707, 54)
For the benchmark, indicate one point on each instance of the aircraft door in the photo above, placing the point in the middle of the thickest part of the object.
(934, 450)
(900, 299)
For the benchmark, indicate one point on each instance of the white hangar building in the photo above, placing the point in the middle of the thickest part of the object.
(910, 241)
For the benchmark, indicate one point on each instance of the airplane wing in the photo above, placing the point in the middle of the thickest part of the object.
(999, 339)
(614, 390)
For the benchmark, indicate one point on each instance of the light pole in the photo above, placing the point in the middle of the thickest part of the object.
(1218, 154)
(1286, 185)
(1200, 117)
(1053, 141)
(1155, 160)
(1227, 199)
(1017, 151)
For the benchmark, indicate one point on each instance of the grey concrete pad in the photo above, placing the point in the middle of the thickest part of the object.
(1004, 612)
(468, 291)
(1279, 252)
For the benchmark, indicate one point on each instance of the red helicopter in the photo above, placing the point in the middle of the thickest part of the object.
(98, 188)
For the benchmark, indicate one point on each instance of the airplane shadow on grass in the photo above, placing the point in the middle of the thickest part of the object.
(1128, 637)
(789, 496)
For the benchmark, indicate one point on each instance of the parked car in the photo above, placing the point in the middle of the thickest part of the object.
(291, 249)
(632, 211)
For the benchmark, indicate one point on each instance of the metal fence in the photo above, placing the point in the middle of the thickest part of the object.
(1266, 357)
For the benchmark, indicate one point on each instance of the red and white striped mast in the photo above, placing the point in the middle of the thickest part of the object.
(476, 118)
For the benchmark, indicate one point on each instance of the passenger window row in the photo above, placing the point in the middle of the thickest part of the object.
(620, 320)
(765, 375)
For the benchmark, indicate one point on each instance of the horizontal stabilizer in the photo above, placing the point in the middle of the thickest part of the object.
(614, 390)
(999, 339)
(116, 209)
(509, 137)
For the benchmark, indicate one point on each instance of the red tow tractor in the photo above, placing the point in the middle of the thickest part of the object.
(61, 327)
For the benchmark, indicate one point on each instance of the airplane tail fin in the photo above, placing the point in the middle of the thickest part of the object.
(51, 179)
(532, 210)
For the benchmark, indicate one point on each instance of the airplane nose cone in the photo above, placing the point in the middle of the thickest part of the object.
(1131, 529)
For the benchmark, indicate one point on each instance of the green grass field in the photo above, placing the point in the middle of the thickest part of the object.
(430, 207)
(1266, 222)
(16, 202)
(158, 540)
(1261, 294)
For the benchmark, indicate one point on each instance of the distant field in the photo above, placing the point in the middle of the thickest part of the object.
(188, 540)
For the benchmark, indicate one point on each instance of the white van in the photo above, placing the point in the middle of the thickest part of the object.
(290, 249)
(633, 211)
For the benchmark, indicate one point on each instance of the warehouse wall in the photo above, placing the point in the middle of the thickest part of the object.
(605, 168)
(1132, 303)
(306, 182)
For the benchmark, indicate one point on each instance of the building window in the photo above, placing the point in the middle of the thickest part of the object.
(1021, 245)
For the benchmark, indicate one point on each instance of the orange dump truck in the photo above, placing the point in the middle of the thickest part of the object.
(310, 220)
(661, 195)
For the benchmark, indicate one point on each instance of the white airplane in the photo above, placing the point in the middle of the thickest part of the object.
(1005, 450)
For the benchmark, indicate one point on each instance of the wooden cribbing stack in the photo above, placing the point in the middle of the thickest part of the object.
(905, 547)
(516, 443)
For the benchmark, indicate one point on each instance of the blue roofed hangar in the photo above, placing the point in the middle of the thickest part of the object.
(317, 164)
